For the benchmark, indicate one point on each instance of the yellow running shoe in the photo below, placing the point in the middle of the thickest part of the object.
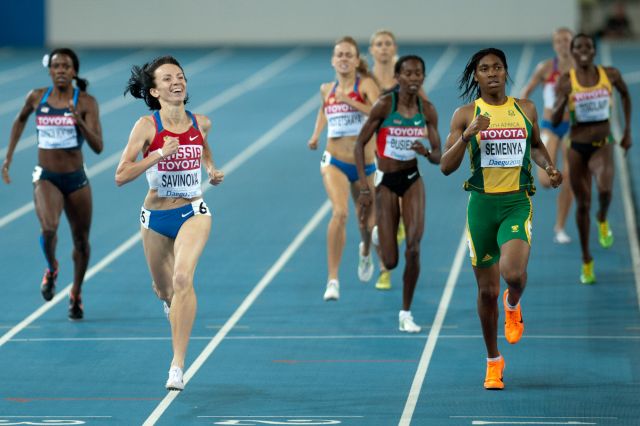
(384, 281)
(587, 276)
(401, 234)
(604, 234)
(513, 324)
(493, 379)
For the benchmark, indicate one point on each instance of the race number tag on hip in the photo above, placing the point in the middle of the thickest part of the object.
(200, 207)
(145, 217)
(502, 147)
(592, 106)
(326, 159)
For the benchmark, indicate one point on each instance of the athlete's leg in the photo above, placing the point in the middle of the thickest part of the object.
(581, 186)
(78, 208)
(158, 250)
(413, 208)
(188, 247)
(49, 203)
(387, 213)
(337, 186)
(602, 166)
(514, 256)
(488, 280)
(565, 196)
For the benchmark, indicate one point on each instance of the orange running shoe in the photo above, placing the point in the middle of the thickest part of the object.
(493, 379)
(513, 324)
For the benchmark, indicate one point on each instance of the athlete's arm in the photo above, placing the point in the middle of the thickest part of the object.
(215, 176)
(140, 138)
(371, 92)
(616, 79)
(321, 119)
(539, 153)
(17, 128)
(378, 113)
(460, 133)
(430, 113)
(536, 78)
(88, 121)
(563, 88)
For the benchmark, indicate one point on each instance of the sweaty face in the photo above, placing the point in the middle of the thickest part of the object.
(61, 69)
(383, 48)
(490, 73)
(345, 58)
(583, 51)
(411, 76)
(171, 85)
(562, 43)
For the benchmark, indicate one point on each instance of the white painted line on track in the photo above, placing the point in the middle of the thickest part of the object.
(441, 66)
(266, 139)
(625, 182)
(523, 70)
(244, 306)
(632, 77)
(19, 72)
(207, 107)
(307, 337)
(425, 359)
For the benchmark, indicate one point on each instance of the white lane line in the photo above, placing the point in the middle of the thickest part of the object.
(441, 66)
(523, 70)
(632, 77)
(625, 182)
(532, 422)
(305, 337)
(207, 107)
(229, 168)
(19, 72)
(425, 359)
(243, 308)
(254, 81)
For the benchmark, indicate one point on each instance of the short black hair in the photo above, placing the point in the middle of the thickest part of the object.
(142, 80)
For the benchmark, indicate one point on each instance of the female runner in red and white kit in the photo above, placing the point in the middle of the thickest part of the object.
(345, 105)
(175, 220)
(66, 116)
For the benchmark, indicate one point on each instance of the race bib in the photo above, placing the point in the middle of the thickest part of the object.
(399, 140)
(592, 106)
(56, 131)
(502, 147)
(343, 120)
(178, 176)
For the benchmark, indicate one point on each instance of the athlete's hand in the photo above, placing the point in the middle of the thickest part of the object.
(5, 172)
(216, 177)
(478, 124)
(418, 147)
(313, 143)
(170, 147)
(625, 143)
(74, 113)
(555, 177)
(365, 200)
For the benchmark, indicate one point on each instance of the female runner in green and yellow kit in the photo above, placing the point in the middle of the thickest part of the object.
(501, 135)
(588, 90)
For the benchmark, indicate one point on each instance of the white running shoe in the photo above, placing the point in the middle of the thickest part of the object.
(166, 308)
(407, 324)
(333, 291)
(561, 237)
(375, 240)
(174, 382)
(365, 265)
